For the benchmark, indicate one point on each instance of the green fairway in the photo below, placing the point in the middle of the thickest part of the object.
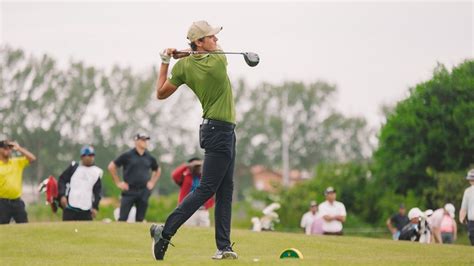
(99, 243)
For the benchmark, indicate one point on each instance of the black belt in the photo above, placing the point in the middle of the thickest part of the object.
(207, 121)
(10, 200)
(136, 187)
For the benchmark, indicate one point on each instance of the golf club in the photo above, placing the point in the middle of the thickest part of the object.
(251, 59)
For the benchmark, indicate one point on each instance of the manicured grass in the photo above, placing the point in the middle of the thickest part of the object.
(98, 243)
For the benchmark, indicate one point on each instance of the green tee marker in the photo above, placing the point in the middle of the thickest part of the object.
(291, 253)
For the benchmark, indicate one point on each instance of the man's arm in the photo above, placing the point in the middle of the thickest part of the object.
(462, 215)
(113, 171)
(437, 235)
(164, 88)
(96, 191)
(390, 226)
(178, 173)
(455, 230)
(155, 175)
(64, 179)
(29, 156)
(340, 218)
(463, 209)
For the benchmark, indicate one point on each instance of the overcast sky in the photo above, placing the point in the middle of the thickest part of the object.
(372, 51)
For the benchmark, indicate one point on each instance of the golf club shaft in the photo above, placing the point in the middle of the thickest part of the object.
(206, 52)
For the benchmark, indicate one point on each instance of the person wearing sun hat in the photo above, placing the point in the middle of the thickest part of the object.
(442, 224)
(466, 212)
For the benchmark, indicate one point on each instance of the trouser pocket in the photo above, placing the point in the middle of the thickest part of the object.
(216, 138)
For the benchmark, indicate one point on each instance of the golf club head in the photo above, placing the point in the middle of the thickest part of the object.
(252, 59)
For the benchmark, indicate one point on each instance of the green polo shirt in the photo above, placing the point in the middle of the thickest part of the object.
(207, 76)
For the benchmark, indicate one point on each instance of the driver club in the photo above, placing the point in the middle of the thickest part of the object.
(251, 59)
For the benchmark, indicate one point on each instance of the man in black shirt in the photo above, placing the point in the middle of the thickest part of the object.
(396, 223)
(138, 165)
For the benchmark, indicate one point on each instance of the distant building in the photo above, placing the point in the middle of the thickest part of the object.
(269, 180)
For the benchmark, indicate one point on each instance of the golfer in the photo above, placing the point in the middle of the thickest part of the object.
(206, 75)
(11, 175)
(140, 174)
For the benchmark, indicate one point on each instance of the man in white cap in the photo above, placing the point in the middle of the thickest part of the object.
(308, 218)
(443, 226)
(333, 213)
(206, 75)
(467, 206)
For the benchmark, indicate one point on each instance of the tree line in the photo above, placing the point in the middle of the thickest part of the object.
(54, 110)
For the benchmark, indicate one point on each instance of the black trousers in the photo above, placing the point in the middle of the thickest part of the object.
(135, 196)
(470, 230)
(218, 141)
(76, 215)
(12, 209)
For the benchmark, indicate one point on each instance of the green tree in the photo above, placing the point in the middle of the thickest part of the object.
(317, 132)
(432, 129)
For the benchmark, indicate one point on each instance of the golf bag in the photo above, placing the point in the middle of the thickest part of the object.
(49, 186)
(410, 232)
(54, 189)
(269, 219)
(419, 232)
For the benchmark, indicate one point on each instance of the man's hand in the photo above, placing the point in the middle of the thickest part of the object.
(181, 53)
(15, 145)
(194, 163)
(168, 52)
(123, 186)
(63, 202)
(165, 57)
(93, 213)
(150, 185)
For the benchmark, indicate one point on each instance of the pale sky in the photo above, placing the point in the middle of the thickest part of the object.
(372, 51)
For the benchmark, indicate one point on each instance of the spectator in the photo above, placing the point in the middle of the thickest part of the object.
(309, 217)
(11, 175)
(397, 222)
(317, 226)
(449, 228)
(140, 174)
(188, 177)
(443, 219)
(467, 207)
(333, 213)
(411, 231)
(79, 188)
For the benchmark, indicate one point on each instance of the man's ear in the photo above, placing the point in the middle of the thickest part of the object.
(198, 43)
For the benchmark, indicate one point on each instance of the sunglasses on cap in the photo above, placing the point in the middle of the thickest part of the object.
(6, 145)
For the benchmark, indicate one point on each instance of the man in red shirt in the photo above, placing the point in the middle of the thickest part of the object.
(188, 177)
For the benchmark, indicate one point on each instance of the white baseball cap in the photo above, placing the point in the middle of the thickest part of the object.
(470, 175)
(415, 213)
(201, 29)
(450, 209)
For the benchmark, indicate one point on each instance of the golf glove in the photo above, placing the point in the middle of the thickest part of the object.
(165, 58)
